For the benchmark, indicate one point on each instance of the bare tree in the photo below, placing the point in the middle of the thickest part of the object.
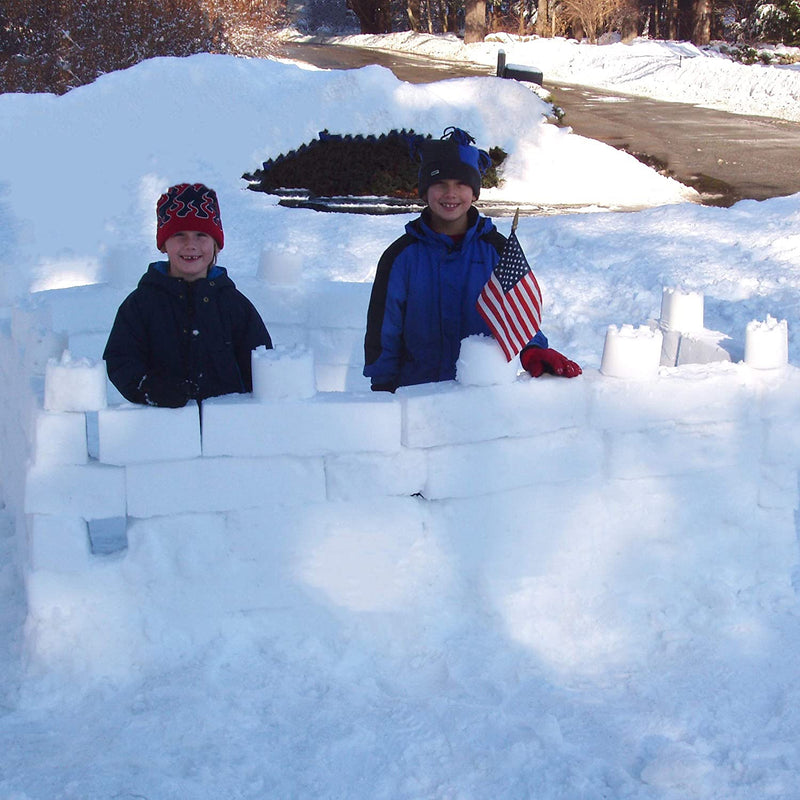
(56, 46)
(701, 22)
(475, 21)
(542, 19)
(374, 16)
(589, 17)
(414, 14)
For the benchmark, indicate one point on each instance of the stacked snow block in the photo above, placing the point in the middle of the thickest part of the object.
(99, 488)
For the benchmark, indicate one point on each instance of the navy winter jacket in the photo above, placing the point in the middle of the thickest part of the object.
(174, 340)
(423, 301)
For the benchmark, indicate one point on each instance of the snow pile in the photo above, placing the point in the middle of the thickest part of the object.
(493, 587)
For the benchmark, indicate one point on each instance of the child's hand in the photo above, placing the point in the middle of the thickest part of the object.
(165, 393)
(538, 360)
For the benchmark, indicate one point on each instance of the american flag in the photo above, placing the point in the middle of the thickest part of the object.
(511, 301)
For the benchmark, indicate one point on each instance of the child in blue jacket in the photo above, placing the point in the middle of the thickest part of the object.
(428, 281)
(186, 332)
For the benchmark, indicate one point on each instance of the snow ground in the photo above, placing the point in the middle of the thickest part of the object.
(630, 638)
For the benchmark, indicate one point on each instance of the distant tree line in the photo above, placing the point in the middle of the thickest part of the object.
(56, 45)
(698, 21)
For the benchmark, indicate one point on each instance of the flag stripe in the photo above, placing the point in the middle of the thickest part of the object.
(492, 315)
(511, 301)
(509, 314)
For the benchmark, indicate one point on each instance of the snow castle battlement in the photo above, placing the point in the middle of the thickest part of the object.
(94, 489)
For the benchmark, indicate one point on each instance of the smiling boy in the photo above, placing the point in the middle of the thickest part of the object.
(427, 281)
(186, 332)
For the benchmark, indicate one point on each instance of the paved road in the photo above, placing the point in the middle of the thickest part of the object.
(727, 157)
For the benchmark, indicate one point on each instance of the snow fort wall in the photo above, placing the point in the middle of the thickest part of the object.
(144, 528)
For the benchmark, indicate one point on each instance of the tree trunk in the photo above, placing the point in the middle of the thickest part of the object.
(475, 21)
(673, 20)
(521, 27)
(451, 17)
(542, 21)
(414, 16)
(374, 16)
(701, 22)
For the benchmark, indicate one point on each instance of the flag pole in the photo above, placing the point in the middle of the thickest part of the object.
(516, 220)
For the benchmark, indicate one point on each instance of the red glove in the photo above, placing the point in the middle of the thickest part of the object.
(538, 360)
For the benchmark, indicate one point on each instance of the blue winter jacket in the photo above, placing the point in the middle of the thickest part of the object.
(423, 301)
(174, 340)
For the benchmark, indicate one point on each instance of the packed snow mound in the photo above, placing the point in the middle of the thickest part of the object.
(211, 118)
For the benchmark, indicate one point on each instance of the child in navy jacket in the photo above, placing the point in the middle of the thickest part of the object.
(186, 332)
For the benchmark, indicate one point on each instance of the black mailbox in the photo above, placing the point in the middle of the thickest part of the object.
(517, 73)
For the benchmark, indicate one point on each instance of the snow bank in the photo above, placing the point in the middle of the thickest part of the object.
(663, 70)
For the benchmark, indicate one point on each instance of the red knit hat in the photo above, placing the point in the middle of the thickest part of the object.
(188, 207)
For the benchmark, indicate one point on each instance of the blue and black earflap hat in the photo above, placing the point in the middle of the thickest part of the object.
(454, 156)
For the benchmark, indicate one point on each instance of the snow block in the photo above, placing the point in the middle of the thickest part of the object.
(91, 307)
(353, 477)
(670, 345)
(57, 543)
(444, 413)
(692, 394)
(60, 438)
(632, 352)
(338, 345)
(283, 373)
(132, 434)
(278, 305)
(767, 344)
(702, 348)
(782, 442)
(512, 463)
(481, 362)
(88, 344)
(676, 449)
(107, 536)
(681, 310)
(280, 265)
(91, 491)
(206, 485)
(340, 378)
(237, 425)
(27, 320)
(41, 347)
(74, 384)
(379, 555)
(337, 304)
(778, 487)
(779, 392)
